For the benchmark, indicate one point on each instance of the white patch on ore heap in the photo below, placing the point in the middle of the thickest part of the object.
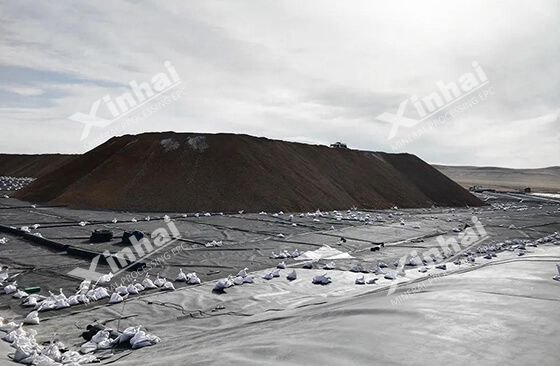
(169, 144)
(197, 143)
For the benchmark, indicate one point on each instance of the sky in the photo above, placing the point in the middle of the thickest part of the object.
(314, 71)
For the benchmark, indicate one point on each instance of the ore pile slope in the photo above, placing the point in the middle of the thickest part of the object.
(188, 172)
(22, 165)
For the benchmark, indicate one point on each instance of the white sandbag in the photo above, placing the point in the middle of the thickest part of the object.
(391, 275)
(413, 262)
(75, 358)
(10, 289)
(6, 326)
(181, 277)
(84, 286)
(61, 304)
(32, 318)
(91, 294)
(102, 340)
(115, 298)
(70, 357)
(159, 282)
(47, 304)
(52, 352)
(127, 334)
(143, 339)
(100, 336)
(360, 281)
(192, 279)
(321, 280)
(292, 275)
(243, 273)
(557, 277)
(308, 265)
(214, 243)
(4, 275)
(148, 284)
(238, 280)
(60, 296)
(131, 289)
(23, 342)
(222, 284)
(139, 287)
(42, 360)
(121, 290)
(168, 286)
(100, 293)
(17, 332)
(105, 344)
(20, 294)
(248, 279)
(88, 347)
(356, 268)
(27, 339)
(105, 278)
(23, 353)
(73, 300)
(83, 299)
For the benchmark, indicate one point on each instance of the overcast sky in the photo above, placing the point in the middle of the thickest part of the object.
(311, 71)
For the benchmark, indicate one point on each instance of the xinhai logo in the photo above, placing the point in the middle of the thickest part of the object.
(126, 258)
(126, 103)
(441, 98)
(448, 247)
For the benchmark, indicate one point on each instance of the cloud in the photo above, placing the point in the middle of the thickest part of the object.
(22, 90)
(311, 71)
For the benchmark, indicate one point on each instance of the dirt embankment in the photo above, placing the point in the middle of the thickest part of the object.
(188, 172)
(539, 180)
(23, 165)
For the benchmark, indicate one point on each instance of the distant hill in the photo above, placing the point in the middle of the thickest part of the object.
(539, 180)
(225, 172)
(22, 165)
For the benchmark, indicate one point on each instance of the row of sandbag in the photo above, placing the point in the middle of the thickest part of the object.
(106, 338)
(28, 351)
(122, 292)
(89, 293)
